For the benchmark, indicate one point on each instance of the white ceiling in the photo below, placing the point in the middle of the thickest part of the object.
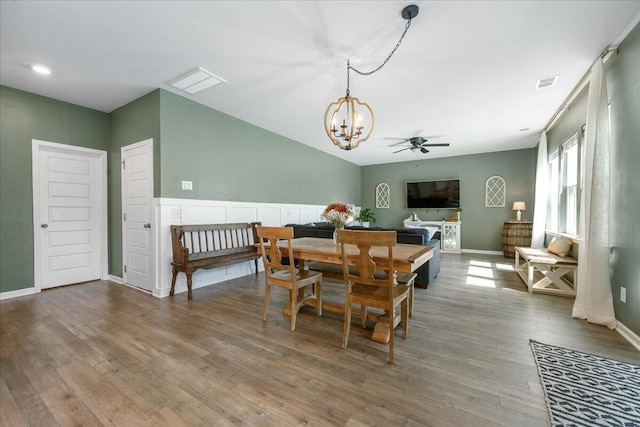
(466, 69)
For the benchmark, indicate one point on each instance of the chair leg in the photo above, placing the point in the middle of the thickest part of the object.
(405, 308)
(265, 306)
(347, 324)
(391, 334)
(363, 315)
(318, 292)
(294, 312)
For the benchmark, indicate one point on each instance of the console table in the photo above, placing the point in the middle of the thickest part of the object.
(449, 233)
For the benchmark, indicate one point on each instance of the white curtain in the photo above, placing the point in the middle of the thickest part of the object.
(594, 301)
(541, 194)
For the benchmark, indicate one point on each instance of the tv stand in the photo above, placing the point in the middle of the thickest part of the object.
(449, 232)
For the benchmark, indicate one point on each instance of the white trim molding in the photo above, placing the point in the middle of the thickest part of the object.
(18, 293)
(116, 279)
(191, 211)
(628, 335)
(482, 252)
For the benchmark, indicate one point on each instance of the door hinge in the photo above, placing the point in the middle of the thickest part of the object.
(125, 268)
(124, 216)
(124, 164)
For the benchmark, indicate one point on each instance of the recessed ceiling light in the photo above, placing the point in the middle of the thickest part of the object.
(195, 81)
(546, 82)
(41, 69)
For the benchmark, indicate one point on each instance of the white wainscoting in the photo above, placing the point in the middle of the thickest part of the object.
(187, 211)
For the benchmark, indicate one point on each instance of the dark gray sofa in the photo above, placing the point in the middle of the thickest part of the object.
(426, 273)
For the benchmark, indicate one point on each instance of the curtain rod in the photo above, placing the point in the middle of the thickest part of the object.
(605, 55)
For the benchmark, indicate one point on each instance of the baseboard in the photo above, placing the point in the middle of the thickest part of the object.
(181, 288)
(628, 335)
(17, 293)
(480, 251)
(116, 279)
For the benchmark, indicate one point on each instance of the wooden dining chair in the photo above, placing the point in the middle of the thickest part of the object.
(286, 275)
(361, 285)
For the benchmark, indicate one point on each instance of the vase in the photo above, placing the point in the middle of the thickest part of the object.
(335, 234)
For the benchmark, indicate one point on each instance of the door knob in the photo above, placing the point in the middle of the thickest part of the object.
(147, 225)
(44, 225)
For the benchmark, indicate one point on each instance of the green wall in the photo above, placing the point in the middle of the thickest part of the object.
(228, 159)
(23, 117)
(623, 86)
(137, 121)
(623, 82)
(569, 123)
(481, 227)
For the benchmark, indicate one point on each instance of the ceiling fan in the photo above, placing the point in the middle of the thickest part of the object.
(417, 143)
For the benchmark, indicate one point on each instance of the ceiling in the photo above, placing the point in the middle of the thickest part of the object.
(466, 70)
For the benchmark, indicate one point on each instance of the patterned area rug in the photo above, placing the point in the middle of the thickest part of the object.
(587, 390)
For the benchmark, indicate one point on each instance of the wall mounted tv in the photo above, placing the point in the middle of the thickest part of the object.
(442, 194)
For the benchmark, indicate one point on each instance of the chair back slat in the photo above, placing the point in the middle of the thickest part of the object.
(363, 261)
(271, 254)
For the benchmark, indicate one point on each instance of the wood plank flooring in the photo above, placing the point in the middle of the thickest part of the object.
(104, 354)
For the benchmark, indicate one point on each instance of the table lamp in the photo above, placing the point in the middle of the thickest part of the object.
(519, 206)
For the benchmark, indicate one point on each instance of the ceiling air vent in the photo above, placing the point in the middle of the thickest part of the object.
(195, 81)
(546, 82)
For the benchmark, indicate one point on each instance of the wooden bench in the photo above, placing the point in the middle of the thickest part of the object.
(545, 272)
(210, 246)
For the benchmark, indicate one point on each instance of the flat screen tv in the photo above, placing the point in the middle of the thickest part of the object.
(442, 194)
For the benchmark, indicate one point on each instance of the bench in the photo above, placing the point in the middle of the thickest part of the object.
(545, 272)
(211, 246)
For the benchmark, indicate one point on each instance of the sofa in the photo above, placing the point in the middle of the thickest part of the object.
(413, 236)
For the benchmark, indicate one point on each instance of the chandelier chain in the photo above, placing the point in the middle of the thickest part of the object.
(368, 73)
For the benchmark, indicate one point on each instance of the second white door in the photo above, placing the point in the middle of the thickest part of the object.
(137, 198)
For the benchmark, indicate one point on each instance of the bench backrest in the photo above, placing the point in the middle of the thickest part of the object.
(217, 239)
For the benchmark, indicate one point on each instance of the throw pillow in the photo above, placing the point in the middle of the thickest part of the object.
(560, 246)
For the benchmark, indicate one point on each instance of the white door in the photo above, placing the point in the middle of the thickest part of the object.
(137, 198)
(68, 214)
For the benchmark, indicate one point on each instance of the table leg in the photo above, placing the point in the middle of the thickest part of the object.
(382, 332)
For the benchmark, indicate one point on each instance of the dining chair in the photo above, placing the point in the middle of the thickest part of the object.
(364, 288)
(286, 275)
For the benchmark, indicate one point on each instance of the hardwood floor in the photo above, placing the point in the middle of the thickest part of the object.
(104, 354)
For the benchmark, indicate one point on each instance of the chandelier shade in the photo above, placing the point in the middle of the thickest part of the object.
(348, 122)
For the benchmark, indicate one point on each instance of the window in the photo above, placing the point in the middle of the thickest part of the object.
(554, 187)
(571, 177)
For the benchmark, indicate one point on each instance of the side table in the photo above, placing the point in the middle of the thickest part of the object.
(515, 233)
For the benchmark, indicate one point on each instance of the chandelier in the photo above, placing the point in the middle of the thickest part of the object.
(347, 121)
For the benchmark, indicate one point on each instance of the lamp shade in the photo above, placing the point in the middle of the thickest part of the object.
(519, 206)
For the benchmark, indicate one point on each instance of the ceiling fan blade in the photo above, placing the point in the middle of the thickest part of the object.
(399, 143)
(408, 148)
(424, 150)
(436, 145)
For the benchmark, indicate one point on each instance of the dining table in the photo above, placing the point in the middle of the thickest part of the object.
(407, 258)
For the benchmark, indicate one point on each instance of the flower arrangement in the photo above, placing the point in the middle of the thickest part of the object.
(338, 214)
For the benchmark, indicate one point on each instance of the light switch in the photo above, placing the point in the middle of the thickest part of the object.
(187, 185)
(175, 213)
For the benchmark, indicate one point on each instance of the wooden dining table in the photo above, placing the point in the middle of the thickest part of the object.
(406, 258)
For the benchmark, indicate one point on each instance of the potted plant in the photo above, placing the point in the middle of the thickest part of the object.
(365, 217)
(458, 210)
